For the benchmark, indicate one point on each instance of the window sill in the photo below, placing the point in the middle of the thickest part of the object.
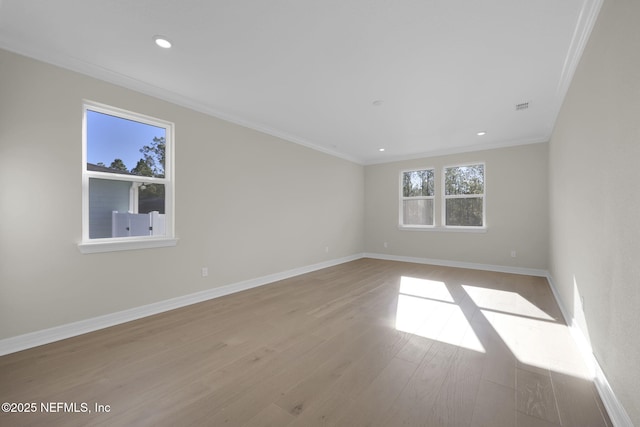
(113, 245)
(445, 229)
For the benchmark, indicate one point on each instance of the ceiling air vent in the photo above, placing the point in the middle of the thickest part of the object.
(522, 106)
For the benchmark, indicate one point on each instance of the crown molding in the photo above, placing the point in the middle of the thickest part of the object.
(585, 23)
(110, 76)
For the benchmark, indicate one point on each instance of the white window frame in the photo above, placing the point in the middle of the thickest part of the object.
(88, 245)
(401, 223)
(445, 197)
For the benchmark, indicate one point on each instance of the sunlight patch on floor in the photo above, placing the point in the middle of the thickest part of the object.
(504, 301)
(427, 309)
(534, 337)
(425, 288)
(547, 345)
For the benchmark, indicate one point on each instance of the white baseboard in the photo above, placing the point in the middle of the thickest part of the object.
(460, 264)
(615, 410)
(57, 333)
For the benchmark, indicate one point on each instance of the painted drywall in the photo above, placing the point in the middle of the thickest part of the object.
(594, 198)
(247, 204)
(516, 210)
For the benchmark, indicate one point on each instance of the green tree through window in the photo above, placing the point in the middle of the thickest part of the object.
(464, 196)
(417, 206)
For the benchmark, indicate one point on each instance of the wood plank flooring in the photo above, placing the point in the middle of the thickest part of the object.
(366, 343)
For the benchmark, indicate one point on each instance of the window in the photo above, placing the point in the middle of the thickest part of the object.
(464, 196)
(127, 180)
(417, 198)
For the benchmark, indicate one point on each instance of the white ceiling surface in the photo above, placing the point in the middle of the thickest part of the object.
(310, 71)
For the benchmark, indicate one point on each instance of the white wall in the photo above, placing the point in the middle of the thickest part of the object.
(247, 204)
(516, 211)
(595, 200)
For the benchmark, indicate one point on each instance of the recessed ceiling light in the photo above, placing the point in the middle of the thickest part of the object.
(162, 41)
(381, 149)
(378, 102)
(481, 133)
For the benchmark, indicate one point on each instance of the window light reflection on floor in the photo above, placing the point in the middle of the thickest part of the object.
(546, 345)
(504, 301)
(426, 308)
(425, 288)
(533, 336)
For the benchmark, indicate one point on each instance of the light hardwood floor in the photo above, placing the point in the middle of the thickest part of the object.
(366, 343)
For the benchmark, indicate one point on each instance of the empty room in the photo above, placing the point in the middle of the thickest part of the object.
(338, 213)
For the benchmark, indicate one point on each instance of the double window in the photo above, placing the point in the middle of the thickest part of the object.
(462, 202)
(127, 180)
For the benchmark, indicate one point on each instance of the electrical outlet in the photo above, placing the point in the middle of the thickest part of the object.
(513, 254)
(326, 249)
(205, 271)
(386, 245)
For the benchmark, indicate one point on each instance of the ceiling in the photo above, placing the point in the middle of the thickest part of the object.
(346, 77)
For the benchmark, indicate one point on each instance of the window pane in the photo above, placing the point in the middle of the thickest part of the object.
(417, 212)
(111, 213)
(464, 180)
(117, 145)
(418, 183)
(151, 198)
(464, 212)
(106, 196)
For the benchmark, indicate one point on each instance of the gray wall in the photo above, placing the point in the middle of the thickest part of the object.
(516, 210)
(247, 204)
(595, 201)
